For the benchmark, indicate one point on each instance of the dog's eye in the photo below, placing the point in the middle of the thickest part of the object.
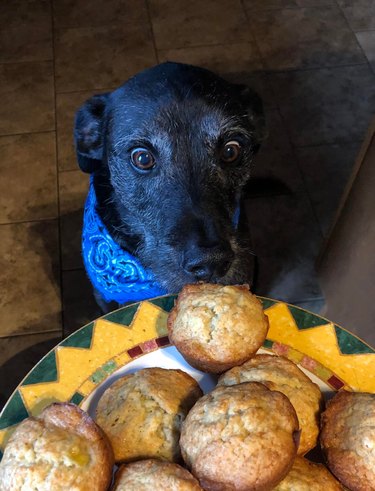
(142, 158)
(230, 151)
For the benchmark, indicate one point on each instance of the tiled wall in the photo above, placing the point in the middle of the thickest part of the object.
(312, 61)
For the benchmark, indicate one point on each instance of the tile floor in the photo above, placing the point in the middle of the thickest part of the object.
(312, 61)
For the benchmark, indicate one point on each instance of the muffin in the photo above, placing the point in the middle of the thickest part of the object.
(216, 327)
(240, 438)
(307, 476)
(61, 449)
(154, 475)
(278, 373)
(142, 413)
(348, 439)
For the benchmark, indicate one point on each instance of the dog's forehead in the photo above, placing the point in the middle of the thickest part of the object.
(176, 90)
(150, 113)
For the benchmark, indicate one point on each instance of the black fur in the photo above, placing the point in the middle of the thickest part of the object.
(177, 217)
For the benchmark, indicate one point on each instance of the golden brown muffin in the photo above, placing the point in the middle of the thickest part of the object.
(240, 438)
(142, 413)
(278, 373)
(348, 439)
(307, 476)
(154, 475)
(61, 449)
(216, 327)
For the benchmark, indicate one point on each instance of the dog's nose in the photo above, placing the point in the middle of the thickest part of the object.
(207, 264)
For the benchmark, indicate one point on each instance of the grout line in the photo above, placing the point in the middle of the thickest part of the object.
(57, 169)
(91, 90)
(363, 30)
(297, 7)
(12, 62)
(73, 270)
(26, 62)
(214, 45)
(325, 144)
(81, 91)
(152, 31)
(64, 171)
(36, 220)
(27, 133)
(34, 333)
(253, 37)
(310, 68)
(354, 34)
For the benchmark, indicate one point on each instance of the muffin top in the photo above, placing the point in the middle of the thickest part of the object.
(240, 437)
(154, 475)
(61, 449)
(348, 439)
(216, 327)
(142, 412)
(279, 373)
(307, 476)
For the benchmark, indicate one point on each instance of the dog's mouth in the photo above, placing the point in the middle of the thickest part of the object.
(226, 264)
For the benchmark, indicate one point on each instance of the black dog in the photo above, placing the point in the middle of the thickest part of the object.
(170, 152)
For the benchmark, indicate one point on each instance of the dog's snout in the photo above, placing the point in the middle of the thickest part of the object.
(208, 263)
(200, 270)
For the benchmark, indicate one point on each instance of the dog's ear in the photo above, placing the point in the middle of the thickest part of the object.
(254, 108)
(88, 132)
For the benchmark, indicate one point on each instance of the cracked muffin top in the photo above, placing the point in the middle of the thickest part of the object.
(60, 449)
(308, 476)
(142, 413)
(154, 475)
(348, 439)
(216, 327)
(281, 374)
(239, 438)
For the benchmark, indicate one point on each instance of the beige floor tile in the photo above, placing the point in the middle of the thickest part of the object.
(230, 61)
(360, 13)
(29, 278)
(27, 100)
(73, 188)
(81, 13)
(305, 37)
(66, 107)
(25, 12)
(367, 41)
(97, 57)
(237, 63)
(73, 191)
(25, 31)
(179, 24)
(25, 43)
(18, 355)
(28, 186)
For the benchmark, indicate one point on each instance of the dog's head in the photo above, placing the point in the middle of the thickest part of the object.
(170, 151)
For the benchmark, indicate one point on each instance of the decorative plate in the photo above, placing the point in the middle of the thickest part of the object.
(84, 364)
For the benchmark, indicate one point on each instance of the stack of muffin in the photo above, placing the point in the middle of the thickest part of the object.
(250, 433)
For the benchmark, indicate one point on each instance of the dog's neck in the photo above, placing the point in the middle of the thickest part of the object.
(116, 274)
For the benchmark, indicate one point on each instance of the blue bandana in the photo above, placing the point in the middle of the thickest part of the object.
(117, 275)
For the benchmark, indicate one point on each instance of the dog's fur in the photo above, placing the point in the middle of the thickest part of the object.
(177, 218)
